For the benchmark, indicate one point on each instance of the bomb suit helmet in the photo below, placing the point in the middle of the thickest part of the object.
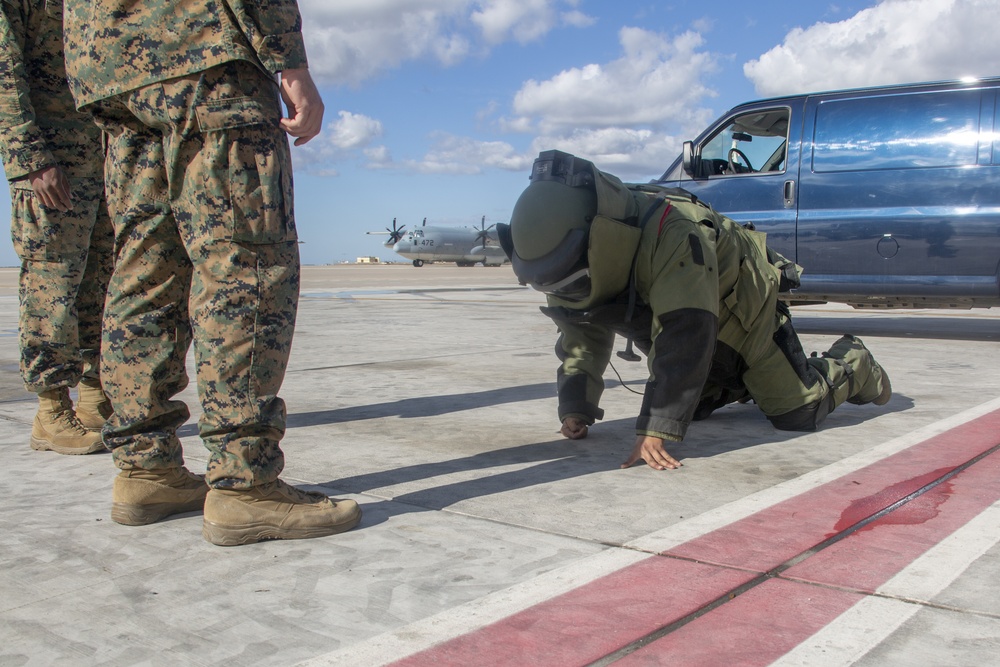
(548, 235)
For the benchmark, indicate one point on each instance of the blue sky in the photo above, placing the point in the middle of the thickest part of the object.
(436, 108)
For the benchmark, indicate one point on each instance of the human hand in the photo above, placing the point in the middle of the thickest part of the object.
(305, 106)
(651, 450)
(574, 428)
(51, 186)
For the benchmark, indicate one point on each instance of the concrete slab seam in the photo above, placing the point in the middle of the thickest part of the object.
(863, 627)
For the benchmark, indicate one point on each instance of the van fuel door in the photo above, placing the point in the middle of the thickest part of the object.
(887, 246)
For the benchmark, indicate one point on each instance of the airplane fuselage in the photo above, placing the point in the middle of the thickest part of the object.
(462, 245)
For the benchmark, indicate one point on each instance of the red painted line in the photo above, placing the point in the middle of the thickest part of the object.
(592, 621)
(753, 630)
(757, 626)
(871, 556)
(774, 535)
(766, 622)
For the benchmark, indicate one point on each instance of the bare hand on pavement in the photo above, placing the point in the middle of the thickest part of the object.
(650, 450)
(573, 428)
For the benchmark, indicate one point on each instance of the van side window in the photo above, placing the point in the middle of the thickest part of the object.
(939, 129)
(749, 144)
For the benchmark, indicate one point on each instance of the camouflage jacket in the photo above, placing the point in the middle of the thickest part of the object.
(39, 124)
(114, 46)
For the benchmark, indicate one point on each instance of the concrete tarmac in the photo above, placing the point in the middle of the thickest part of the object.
(427, 395)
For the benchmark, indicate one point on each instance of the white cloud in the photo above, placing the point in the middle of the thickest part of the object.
(656, 82)
(352, 131)
(524, 21)
(378, 157)
(896, 41)
(351, 41)
(520, 20)
(627, 115)
(461, 155)
(578, 19)
(345, 137)
(628, 153)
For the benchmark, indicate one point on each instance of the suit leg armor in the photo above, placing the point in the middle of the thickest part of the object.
(848, 373)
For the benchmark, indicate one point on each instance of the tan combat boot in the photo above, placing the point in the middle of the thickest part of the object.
(92, 407)
(56, 427)
(140, 497)
(274, 511)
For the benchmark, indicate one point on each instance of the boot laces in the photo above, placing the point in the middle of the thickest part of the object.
(187, 479)
(69, 423)
(297, 495)
(176, 478)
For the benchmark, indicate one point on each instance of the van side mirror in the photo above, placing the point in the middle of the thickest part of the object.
(690, 161)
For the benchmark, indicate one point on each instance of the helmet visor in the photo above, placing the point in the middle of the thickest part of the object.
(562, 272)
(574, 287)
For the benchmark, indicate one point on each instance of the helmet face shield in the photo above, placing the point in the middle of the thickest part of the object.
(560, 272)
(551, 231)
(574, 287)
(573, 232)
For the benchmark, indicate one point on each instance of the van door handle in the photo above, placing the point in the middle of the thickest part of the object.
(789, 194)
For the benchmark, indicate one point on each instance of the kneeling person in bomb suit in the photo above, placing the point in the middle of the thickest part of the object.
(694, 290)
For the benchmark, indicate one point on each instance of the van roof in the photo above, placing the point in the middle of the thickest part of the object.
(970, 82)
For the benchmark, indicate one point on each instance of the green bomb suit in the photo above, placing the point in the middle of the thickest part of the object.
(199, 185)
(706, 312)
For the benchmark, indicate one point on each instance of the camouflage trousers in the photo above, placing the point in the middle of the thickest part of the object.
(65, 265)
(199, 186)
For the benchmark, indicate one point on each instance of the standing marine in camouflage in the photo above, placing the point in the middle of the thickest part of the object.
(199, 181)
(53, 156)
(695, 291)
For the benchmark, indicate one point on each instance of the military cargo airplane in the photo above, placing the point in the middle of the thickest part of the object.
(466, 246)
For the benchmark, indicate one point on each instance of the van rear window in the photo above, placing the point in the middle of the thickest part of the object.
(913, 131)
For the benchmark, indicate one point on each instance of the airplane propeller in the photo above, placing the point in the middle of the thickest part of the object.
(484, 232)
(395, 233)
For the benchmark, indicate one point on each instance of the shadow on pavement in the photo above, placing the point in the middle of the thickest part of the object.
(732, 428)
(425, 406)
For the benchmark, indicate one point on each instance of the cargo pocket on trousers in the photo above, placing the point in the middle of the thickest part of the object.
(260, 183)
(34, 236)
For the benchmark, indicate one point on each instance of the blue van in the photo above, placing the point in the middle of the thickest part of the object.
(888, 197)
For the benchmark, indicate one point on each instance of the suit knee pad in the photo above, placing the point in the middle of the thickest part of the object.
(806, 418)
